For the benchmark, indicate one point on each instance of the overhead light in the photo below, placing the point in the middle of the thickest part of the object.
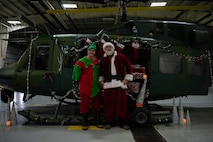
(158, 4)
(14, 22)
(70, 5)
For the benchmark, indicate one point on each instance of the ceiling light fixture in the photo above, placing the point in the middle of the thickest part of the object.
(14, 22)
(70, 5)
(158, 4)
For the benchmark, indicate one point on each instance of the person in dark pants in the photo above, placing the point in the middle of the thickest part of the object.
(86, 71)
(115, 72)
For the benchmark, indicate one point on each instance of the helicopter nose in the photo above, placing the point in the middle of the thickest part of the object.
(6, 77)
(5, 81)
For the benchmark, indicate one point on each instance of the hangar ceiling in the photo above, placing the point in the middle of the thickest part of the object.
(50, 17)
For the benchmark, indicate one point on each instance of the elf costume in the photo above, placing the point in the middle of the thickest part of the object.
(86, 72)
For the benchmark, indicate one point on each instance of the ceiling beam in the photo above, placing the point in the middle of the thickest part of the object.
(206, 23)
(204, 17)
(63, 25)
(62, 11)
(26, 20)
(42, 15)
(130, 9)
(94, 1)
(74, 27)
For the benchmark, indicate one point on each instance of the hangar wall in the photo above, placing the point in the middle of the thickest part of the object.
(10, 55)
(3, 43)
(191, 100)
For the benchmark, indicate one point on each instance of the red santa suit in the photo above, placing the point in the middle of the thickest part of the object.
(114, 69)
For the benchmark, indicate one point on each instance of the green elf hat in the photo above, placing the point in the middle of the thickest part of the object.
(92, 46)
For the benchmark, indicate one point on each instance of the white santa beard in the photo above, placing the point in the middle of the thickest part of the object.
(109, 53)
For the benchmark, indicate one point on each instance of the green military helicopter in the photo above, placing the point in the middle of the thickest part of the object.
(174, 56)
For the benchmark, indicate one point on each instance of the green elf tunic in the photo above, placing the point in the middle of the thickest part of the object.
(86, 72)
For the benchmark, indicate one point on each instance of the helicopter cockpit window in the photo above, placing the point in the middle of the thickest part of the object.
(42, 56)
(170, 64)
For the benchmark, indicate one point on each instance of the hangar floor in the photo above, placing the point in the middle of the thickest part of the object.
(200, 130)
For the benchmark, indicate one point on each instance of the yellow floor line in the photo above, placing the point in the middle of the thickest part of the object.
(79, 127)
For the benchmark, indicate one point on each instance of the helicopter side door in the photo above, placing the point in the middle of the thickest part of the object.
(34, 70)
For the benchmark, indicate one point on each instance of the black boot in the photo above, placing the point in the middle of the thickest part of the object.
(84, 121)
(98, 119)
(110, 124)
(123, 123)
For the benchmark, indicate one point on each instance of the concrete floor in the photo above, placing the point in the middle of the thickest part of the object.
(201, 127)
(201, 114)
(200, 130)
(36, 133)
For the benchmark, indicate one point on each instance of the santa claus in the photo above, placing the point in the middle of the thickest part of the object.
(115, 72)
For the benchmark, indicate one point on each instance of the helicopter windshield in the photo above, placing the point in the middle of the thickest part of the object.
(42, 56)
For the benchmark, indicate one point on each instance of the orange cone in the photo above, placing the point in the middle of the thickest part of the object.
(181, 114)
(8, 115)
